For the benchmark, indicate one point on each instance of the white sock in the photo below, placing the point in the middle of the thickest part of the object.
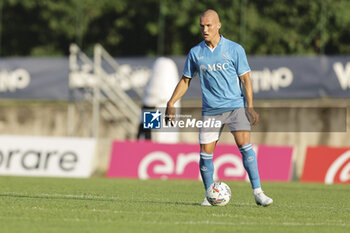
(257, 190)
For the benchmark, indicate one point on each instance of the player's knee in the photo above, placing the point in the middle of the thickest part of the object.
(207, 148)
(243, 143)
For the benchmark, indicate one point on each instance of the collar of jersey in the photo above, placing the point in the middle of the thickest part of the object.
(220, 42)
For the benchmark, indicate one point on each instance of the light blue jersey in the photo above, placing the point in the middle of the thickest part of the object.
(218, 70)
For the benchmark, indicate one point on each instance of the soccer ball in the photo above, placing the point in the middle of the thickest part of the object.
(218, 194)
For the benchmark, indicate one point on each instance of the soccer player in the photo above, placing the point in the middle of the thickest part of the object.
(227, 96)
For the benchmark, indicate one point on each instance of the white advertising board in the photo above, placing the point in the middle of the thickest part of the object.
(46, 156)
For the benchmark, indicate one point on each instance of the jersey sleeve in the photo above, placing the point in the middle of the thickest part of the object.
(190, 66)
(241, 64)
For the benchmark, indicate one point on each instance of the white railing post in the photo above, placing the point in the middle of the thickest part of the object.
(96, 91)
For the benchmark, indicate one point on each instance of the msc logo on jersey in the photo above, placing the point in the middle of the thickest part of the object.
(151, 120)
(215, 67)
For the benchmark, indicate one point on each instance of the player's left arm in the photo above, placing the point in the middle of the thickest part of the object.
(248, 90)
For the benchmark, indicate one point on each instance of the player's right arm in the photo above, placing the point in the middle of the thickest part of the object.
(179, 91)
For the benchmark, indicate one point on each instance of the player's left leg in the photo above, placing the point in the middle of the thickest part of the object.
(242, 139)
(250, 164)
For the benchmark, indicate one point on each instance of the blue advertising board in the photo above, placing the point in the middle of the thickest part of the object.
(273, 77)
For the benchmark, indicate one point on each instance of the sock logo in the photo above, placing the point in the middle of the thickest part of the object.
(204, 168)
(250, 159)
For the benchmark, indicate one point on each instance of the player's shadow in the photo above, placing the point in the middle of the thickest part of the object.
(170, 203)
(82, 198)
(87, 198)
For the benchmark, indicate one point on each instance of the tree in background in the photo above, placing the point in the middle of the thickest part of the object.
(154, 27)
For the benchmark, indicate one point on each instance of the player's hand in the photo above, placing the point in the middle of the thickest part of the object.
(170, 115)
(253, 116)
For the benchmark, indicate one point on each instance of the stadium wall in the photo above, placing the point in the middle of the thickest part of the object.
(50, 119)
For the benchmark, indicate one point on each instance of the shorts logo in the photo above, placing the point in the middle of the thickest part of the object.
(151, 120)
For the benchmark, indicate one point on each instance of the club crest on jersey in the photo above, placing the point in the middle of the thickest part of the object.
(215, 67)
(203, 68)
(224, 56)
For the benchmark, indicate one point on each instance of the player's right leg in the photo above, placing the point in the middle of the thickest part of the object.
(208, 137)
(206, 163)
(206, 166)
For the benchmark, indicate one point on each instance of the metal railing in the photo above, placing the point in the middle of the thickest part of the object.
(89, 79)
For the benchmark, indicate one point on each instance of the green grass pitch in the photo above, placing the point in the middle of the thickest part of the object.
(127, 205)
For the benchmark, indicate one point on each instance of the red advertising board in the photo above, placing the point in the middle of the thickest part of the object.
(327, 164)
(147, 160)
